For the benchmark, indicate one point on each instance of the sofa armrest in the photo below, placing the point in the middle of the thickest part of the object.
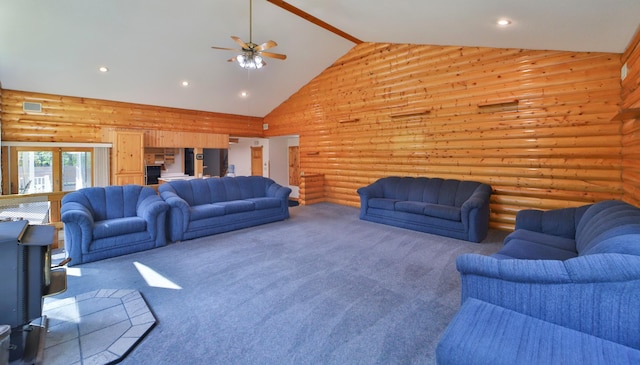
(370, 191)
(276, 190)
(367, 192)
(179, 215)
(595, 294)
(78, 230)
(149, 210)
(475, 213)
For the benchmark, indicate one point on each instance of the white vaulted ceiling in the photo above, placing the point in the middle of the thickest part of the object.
(151, 46)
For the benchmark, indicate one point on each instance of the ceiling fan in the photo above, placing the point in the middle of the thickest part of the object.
(251, 56)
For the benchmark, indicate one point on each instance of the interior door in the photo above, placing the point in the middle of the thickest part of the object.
(294, 166)
(256, 161)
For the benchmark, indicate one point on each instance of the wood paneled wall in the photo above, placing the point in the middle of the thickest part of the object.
(631, 125)
(536, 125)
(73, 119)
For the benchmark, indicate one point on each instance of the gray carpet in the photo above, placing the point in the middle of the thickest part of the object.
(320, 288)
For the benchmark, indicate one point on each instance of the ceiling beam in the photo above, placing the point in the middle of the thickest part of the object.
(304, 15)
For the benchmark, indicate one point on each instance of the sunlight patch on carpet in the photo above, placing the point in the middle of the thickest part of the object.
(155, 279)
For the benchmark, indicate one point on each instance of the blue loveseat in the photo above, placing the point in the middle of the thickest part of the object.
(102, 222)
(202, 207)
(564, 289)
(453, 208)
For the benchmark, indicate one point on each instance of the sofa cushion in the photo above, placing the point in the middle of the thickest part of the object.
(390, 186)
(448, 191)
(484, 333)
(253, 186)
(382, 203)
(206, 211)
(443, 211)
(201, 192)
(265, 203)
(528, 250)
(621, 243)
(604, 219)
(410, 207)
(118, 227)
(237, 206)
(217, 192)
(562, 243)
(431, 190)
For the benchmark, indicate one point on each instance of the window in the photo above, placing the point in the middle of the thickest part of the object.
(35, 172)
(49, 169)
(76, 170)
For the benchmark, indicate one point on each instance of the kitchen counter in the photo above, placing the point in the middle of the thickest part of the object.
(164, 179)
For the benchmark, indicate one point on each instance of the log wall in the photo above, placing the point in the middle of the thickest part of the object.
(536, 125)
(73, 119)
(631, 124)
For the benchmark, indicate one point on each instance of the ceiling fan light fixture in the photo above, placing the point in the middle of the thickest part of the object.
(250, 61)
(251, 56)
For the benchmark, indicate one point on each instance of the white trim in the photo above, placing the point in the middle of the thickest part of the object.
(54, 144)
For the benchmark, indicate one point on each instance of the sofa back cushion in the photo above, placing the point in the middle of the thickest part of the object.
(213, 190)
(110, 202)
(608, 223)
(428, 190)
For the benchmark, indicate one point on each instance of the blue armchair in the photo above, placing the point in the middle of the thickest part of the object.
(103, 222)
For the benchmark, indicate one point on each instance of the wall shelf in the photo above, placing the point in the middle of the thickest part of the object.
(626, 114)
(410, 114)
(499, 102)
(159, 156)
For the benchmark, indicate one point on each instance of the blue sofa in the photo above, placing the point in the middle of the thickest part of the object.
(564, 289)
(102, 222)
(202, 207)
(452, 208)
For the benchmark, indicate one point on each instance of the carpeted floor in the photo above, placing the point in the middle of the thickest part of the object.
(320, 288)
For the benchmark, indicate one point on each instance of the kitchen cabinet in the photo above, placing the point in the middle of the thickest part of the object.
(159, 156)
(127, 157)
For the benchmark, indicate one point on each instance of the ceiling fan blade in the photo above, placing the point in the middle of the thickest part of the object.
(266, 45)
(240, 42)
(232, 59)
(227, 49)
(274, 55)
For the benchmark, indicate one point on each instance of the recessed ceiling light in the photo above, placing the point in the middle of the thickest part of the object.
(103, 69)
(244, 94)
(185, 83)
(503, 22)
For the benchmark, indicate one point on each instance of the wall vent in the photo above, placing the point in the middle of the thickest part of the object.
(30, 107)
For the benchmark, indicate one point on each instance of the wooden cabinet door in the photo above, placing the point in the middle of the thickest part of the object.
(129, 152)
(125, 179)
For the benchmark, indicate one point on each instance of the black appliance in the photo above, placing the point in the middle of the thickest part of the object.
(153, 173)
(188, 161)
(27, 276)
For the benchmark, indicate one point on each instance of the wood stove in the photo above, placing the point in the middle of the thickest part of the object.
(27, 277)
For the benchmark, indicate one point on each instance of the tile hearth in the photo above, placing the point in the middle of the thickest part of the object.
(99, 327)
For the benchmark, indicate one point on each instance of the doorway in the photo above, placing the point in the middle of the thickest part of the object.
(256, 161)
(294, 166)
